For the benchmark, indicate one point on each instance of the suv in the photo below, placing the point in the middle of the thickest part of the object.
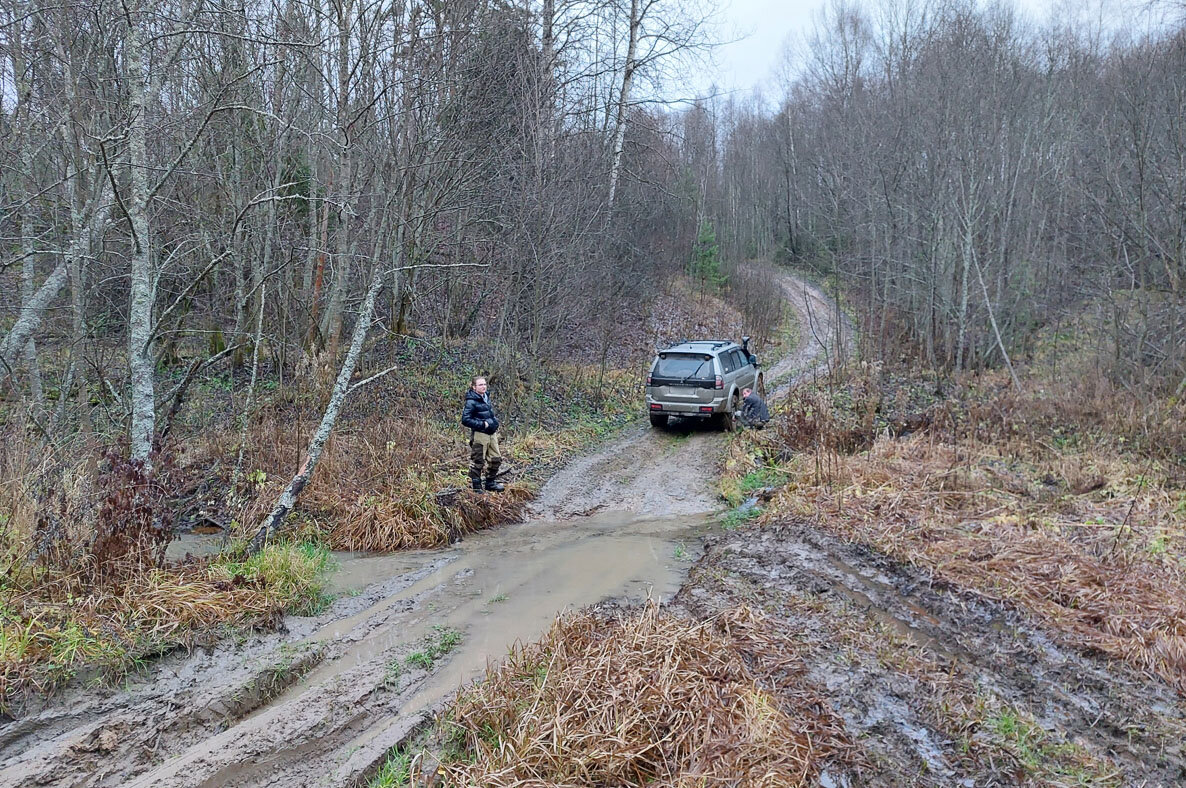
(701, 379)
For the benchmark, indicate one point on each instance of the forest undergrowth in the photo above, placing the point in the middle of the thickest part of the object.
(1063, 499)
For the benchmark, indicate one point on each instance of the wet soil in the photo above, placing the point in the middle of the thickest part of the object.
(319, 704)
(930, 680)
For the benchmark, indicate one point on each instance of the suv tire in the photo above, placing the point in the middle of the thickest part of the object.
(727, 420)
(659, 420)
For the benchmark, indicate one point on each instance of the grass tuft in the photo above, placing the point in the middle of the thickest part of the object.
(396, 772)
(52, 625)
(735, 518)
(440, 642)
(643, 698)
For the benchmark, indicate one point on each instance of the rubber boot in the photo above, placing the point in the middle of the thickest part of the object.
(477, 484)
(494, 485)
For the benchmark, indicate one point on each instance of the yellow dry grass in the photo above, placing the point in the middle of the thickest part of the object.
(55, 623)
(646, 698)
(1090, 542)
(382, 484)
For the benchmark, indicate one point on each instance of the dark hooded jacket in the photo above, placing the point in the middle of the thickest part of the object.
(477, 409)
(754, 411)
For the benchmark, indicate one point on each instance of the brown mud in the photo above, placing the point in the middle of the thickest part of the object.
(322, 702)
(941, 687)
(325, 699)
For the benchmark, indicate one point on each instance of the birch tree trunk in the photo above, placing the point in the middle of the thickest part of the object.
(28, 272)
(288, 498)
(32, 311)
(21, 119)
(331, 326)
(140, 367)
(624, 101)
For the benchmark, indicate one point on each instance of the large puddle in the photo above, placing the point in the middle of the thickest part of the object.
(502, 586)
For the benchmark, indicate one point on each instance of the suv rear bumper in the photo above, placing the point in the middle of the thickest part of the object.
(719, 405)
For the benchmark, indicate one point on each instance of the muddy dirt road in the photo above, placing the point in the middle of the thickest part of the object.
(935, 685)
(322, 702)
(939, 686)
(648, 474)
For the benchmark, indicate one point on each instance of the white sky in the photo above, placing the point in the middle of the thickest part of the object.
(765, 26)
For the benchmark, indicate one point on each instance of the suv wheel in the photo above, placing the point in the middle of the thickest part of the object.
(659, 420)
(728, 419)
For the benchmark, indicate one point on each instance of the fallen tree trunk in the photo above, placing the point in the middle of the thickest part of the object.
(342, 387)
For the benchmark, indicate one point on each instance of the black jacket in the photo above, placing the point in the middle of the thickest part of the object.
(753, 410)
(477, 410)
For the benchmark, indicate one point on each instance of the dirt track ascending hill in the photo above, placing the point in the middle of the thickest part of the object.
(645, 473)
(322, 702)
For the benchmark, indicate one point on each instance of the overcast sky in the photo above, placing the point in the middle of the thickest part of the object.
(764, 26)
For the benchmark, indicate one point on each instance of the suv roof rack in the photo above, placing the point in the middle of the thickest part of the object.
(713, 344)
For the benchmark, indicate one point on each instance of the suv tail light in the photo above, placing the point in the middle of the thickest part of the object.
(720, 382)
(648, 378)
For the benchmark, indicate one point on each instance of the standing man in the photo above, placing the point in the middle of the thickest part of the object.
(478, 416)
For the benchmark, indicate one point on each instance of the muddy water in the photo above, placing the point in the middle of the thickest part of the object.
(502, 586)
(319, 704)
(496, 587)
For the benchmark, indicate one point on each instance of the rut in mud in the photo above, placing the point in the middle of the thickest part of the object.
(941, 687)
(322, 702)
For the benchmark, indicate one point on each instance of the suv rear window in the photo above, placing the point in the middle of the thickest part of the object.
(683, 365)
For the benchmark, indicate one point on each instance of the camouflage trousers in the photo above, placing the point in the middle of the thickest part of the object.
(484, 452)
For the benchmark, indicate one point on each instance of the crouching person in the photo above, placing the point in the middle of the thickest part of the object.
(754, 413)
(478, 417)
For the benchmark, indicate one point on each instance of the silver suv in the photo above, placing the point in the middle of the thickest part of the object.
(701, 379)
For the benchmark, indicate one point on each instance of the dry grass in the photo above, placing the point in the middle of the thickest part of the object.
(41, 487)
(645, 699)
(53, 623)
(997, 496)
(383, 484)
(394, 474)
